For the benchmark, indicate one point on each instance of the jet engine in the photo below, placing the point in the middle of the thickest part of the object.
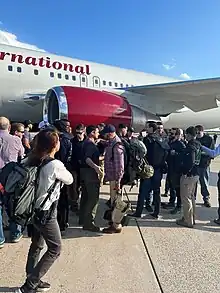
(90, 106)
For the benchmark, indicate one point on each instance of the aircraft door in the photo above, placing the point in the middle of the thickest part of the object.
(83, 80)
(96, 81)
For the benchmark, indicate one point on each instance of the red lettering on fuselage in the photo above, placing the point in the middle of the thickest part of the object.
(18, 57)
(3, 54)
(45, 62)
(79, 69)
(31, 61)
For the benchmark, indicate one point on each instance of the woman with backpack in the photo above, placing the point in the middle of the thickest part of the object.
(52, 174)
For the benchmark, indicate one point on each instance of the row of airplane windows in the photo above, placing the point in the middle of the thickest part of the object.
(67, 77)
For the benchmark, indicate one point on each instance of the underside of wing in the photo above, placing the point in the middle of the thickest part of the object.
(198, 95)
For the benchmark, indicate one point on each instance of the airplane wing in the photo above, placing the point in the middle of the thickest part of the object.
(163, 99)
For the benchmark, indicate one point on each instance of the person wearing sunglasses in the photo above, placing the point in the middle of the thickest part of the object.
(17, 129)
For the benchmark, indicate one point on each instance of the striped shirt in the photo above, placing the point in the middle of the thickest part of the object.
(10, 148)
(114, 168)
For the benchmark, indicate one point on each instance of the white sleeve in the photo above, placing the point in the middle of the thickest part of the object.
(62, 173)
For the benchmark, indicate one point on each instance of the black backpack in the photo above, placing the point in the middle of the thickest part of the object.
(160, 153)
(65, 152)
(19, 186)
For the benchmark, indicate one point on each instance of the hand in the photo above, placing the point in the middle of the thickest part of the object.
(99, 171)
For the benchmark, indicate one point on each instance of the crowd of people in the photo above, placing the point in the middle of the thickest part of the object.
(75, 163)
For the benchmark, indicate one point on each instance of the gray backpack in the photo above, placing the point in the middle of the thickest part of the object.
(19, 186)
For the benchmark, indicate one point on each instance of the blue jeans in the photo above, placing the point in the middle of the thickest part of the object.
(146, 186)
(2, 237)
(204, 174)
(15, 230)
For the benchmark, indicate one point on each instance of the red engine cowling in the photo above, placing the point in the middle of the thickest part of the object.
(89, 106)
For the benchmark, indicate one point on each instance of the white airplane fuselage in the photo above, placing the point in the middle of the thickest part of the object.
(26, 75)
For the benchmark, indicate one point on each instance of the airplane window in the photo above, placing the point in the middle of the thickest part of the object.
(10, 68)
(19, 69)
(96, 81)
(121, 85)
(104, 82)
(35, 72)
(51, 74)
(110, 83)
(127, 85)
(66, 76)
(116, 84)
(132, 85)
(59, 75)
(73, 78)
(83, 79)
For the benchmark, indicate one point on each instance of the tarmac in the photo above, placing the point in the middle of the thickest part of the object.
(149, 256)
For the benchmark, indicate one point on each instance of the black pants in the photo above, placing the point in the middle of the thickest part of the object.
(48, 232)
(63, 209)
(89, 197)
(174, 184)
(218, 186)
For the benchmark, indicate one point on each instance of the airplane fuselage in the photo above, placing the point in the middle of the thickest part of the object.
(26, 75)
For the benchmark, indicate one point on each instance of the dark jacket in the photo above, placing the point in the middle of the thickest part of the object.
(208, 142)
(174, 159)
(189, 166)
(64, 154)
(76, 153)
(155, 144)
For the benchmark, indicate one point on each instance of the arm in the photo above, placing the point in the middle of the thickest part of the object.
(212, 153)
(91, 164)
(119, 162)
(62, 174)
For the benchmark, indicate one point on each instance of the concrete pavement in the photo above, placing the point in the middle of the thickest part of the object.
(185, 260)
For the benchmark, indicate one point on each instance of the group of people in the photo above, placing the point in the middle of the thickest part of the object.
(76, 163)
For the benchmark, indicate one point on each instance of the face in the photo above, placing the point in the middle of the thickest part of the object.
(160, 129)
(95, 134)
(172, 133)
(80, 134)
(20, 132)
(124, 131)
(149, 129)
(199, 133)
(68, 127)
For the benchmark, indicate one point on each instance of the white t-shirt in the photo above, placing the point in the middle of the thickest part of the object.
(48, 174)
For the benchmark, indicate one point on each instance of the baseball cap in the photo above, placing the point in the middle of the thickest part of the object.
(109, 129)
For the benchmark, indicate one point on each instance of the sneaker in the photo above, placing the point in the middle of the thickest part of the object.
(154, 216)
(175, 211)
(207, 204)
(112, 230)
(92, 228)
(43, 287)
(2, 243)
(168, 205)
(17, 238)
(181, 222)
(134, 215)
(149, 208)
(25, 289)
(217, 221)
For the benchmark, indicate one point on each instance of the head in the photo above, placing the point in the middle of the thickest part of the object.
(5, 124)
(46, 144)
(199, 131)
(92, 132)
(130, 132)
(80, 132)
(190, 133)
(179, 134)
(172, 132)
(63, 125)
(28, 124)
(160, 129)
(109, 131)
(101, 126)
(122, 130)
(17, 129)
(151, 127)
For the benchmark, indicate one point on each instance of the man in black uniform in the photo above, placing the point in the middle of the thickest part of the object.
(90, 173)
(189, 178)
(204, 166)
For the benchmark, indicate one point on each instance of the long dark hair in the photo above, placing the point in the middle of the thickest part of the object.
(44, 142)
